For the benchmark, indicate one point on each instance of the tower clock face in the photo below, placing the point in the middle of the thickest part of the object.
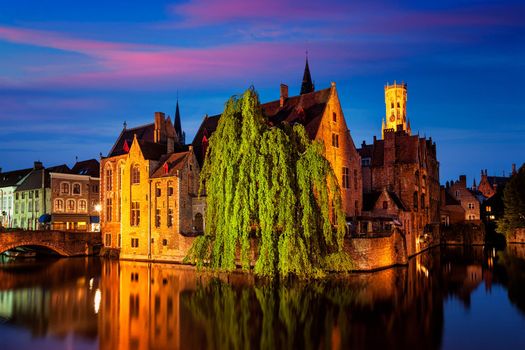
(392, 118)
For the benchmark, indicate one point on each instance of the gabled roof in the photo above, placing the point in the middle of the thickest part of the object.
(171, 164)
(11, 178)
(370, 200)
(450, 200)
(144, 133)
(89, 167)
(306, 109)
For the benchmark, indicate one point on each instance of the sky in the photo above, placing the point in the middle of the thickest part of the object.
(71, 72)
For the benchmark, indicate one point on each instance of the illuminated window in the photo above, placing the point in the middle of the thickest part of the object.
(471, 205)
(488, 208)
(82, 205)
(59, 205)
(71, 205)
(109, 179)
(135, 213)
(135, 174)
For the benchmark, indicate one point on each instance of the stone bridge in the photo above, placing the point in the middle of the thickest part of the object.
(64, 243)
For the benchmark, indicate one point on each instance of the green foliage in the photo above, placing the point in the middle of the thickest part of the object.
(514, 201)
(272, 198)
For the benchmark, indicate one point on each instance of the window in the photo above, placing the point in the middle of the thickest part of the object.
(346, 178)
(82, 205)
(422, 201)
(64, 188)
(170, 189)
(471, 205)
(37, 194)
(164, 242)
(71, 205)
(392, 105)
(30, 194)
(335, 140)
(37, 206)
(94, 188)
(355, 179)
(385, 205)
(134, 243)
(416, 177)
(488, 208)
(135, 213)
(365, 161)
(198, 224)
(22, 209)
(334, 117)
(16, 196)
(23, 195)
(158, 192)
(30, 206)
(108, 239)
(457, 194)
(398, 105)
(135, 174)
(157, 217)
(109, 209)
(134, 304)
(415, 200)
(109, 179)
(134, 277)
(76, 188)
(16, 208)
(170, 217)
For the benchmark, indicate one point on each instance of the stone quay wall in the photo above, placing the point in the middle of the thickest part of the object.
(518, 236)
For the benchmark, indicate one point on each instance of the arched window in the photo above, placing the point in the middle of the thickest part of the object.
(82, 205)
(198, 223)
(76, 188)
(71, 205)
(416, 177)
(64, 188)
(135, 174)
(59, 205)
(109, 179)
(119, 176)
(422, 201)
(416, 200)
(424, 182)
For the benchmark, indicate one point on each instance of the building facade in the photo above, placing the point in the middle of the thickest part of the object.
(149, 190)
(9, 181)
(406, 165)
(469, 199)
(75, 197)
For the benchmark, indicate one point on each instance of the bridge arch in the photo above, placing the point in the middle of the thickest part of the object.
(56, 249)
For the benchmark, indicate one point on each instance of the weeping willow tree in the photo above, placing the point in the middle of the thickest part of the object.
(271, 191)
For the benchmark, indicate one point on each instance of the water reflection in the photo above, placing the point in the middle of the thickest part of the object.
(133, 305)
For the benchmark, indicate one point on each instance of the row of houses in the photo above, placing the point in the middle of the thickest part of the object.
(56, 197)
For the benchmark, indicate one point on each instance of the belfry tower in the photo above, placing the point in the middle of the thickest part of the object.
(396, 109)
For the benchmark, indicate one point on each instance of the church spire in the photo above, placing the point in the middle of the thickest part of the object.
(178, 128)
(307, 86)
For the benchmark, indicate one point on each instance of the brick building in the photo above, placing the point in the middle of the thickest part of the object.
(404, 164)
(322, 116)
(148, 191)
(469, 199)
(75, 197)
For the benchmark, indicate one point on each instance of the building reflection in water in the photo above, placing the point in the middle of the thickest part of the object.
(135, 305)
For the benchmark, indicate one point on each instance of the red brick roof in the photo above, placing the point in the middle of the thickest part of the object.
(306, 109)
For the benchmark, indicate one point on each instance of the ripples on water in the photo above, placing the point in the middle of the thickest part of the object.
(446, 298)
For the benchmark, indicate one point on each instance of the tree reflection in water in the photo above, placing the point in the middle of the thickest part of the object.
(161, 306)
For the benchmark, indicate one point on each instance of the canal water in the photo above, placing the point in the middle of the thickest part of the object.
(447, 298)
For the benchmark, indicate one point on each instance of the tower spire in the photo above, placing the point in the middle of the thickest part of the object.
(178, 127)
(307, 86)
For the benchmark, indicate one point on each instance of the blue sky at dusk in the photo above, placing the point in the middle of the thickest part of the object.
(71, 72)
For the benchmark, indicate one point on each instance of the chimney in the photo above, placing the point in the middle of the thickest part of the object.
(463, 180)
(375, 139)
(159, 124)
(171, 145)
(38, 165)
(363, 144)
(284, 94)
(513, 169)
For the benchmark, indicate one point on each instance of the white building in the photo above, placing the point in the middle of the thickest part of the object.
(9, 181)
